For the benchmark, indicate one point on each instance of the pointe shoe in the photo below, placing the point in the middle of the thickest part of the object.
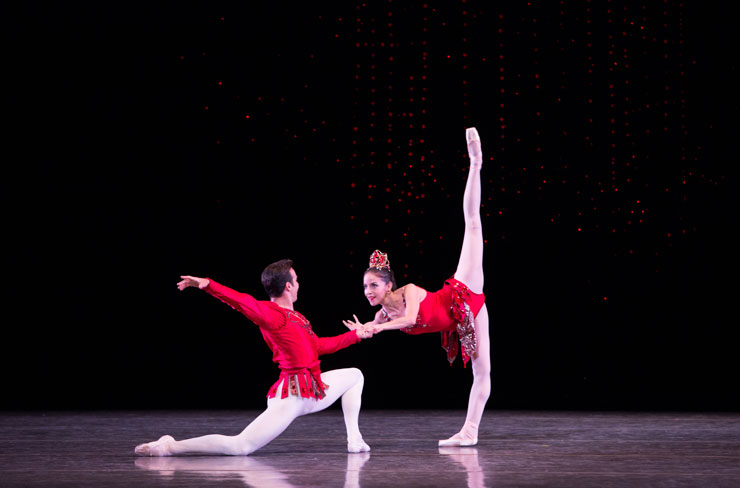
(155, 448)
(471, 134)
(474, 148)
(458, 441)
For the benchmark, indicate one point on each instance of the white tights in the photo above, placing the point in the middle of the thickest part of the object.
(280, 412)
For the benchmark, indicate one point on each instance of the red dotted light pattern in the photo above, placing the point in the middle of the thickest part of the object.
(582, 106)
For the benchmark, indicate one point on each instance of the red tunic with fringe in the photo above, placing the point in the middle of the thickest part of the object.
(294, 345)
(450, 311)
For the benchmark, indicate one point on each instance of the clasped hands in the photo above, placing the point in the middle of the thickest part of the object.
(364, 331)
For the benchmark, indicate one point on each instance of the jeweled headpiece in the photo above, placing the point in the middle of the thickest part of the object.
(379, 260)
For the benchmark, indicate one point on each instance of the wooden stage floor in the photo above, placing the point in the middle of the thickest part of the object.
(516, 448)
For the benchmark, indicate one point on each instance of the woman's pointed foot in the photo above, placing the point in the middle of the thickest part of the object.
(475, 153)
(471, 134)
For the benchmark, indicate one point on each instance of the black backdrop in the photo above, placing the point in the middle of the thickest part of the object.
(146, 142)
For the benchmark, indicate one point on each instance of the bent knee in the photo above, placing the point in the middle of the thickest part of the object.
(357, 375)
(353, 377)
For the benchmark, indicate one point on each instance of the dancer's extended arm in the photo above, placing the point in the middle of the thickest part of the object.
(413, 296)
(264, 316)
(328, 345)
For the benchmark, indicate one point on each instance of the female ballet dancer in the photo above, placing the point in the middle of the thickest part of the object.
(458, 310)
(301, 389)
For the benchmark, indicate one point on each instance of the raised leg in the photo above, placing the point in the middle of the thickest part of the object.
(470, 265)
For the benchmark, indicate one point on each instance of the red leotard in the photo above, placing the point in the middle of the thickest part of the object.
(295, 347)
(450, 311)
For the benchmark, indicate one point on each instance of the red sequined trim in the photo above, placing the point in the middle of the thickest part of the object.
(303, 384)
(464, 332)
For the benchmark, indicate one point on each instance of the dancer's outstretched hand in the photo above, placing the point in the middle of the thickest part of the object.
(192, 281)
(352, 325)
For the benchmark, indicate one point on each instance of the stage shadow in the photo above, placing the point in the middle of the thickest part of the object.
(252, 472)
(467, 457)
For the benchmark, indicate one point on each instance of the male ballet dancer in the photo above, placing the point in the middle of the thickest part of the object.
(301, 388)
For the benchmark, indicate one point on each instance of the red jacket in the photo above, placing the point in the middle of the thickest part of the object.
(294, 345)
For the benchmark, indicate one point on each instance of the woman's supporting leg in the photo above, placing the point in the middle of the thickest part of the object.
(481, 388)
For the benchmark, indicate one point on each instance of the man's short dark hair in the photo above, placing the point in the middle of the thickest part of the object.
(275, 276)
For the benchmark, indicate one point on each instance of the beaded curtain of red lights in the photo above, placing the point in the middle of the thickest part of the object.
(582, 107)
